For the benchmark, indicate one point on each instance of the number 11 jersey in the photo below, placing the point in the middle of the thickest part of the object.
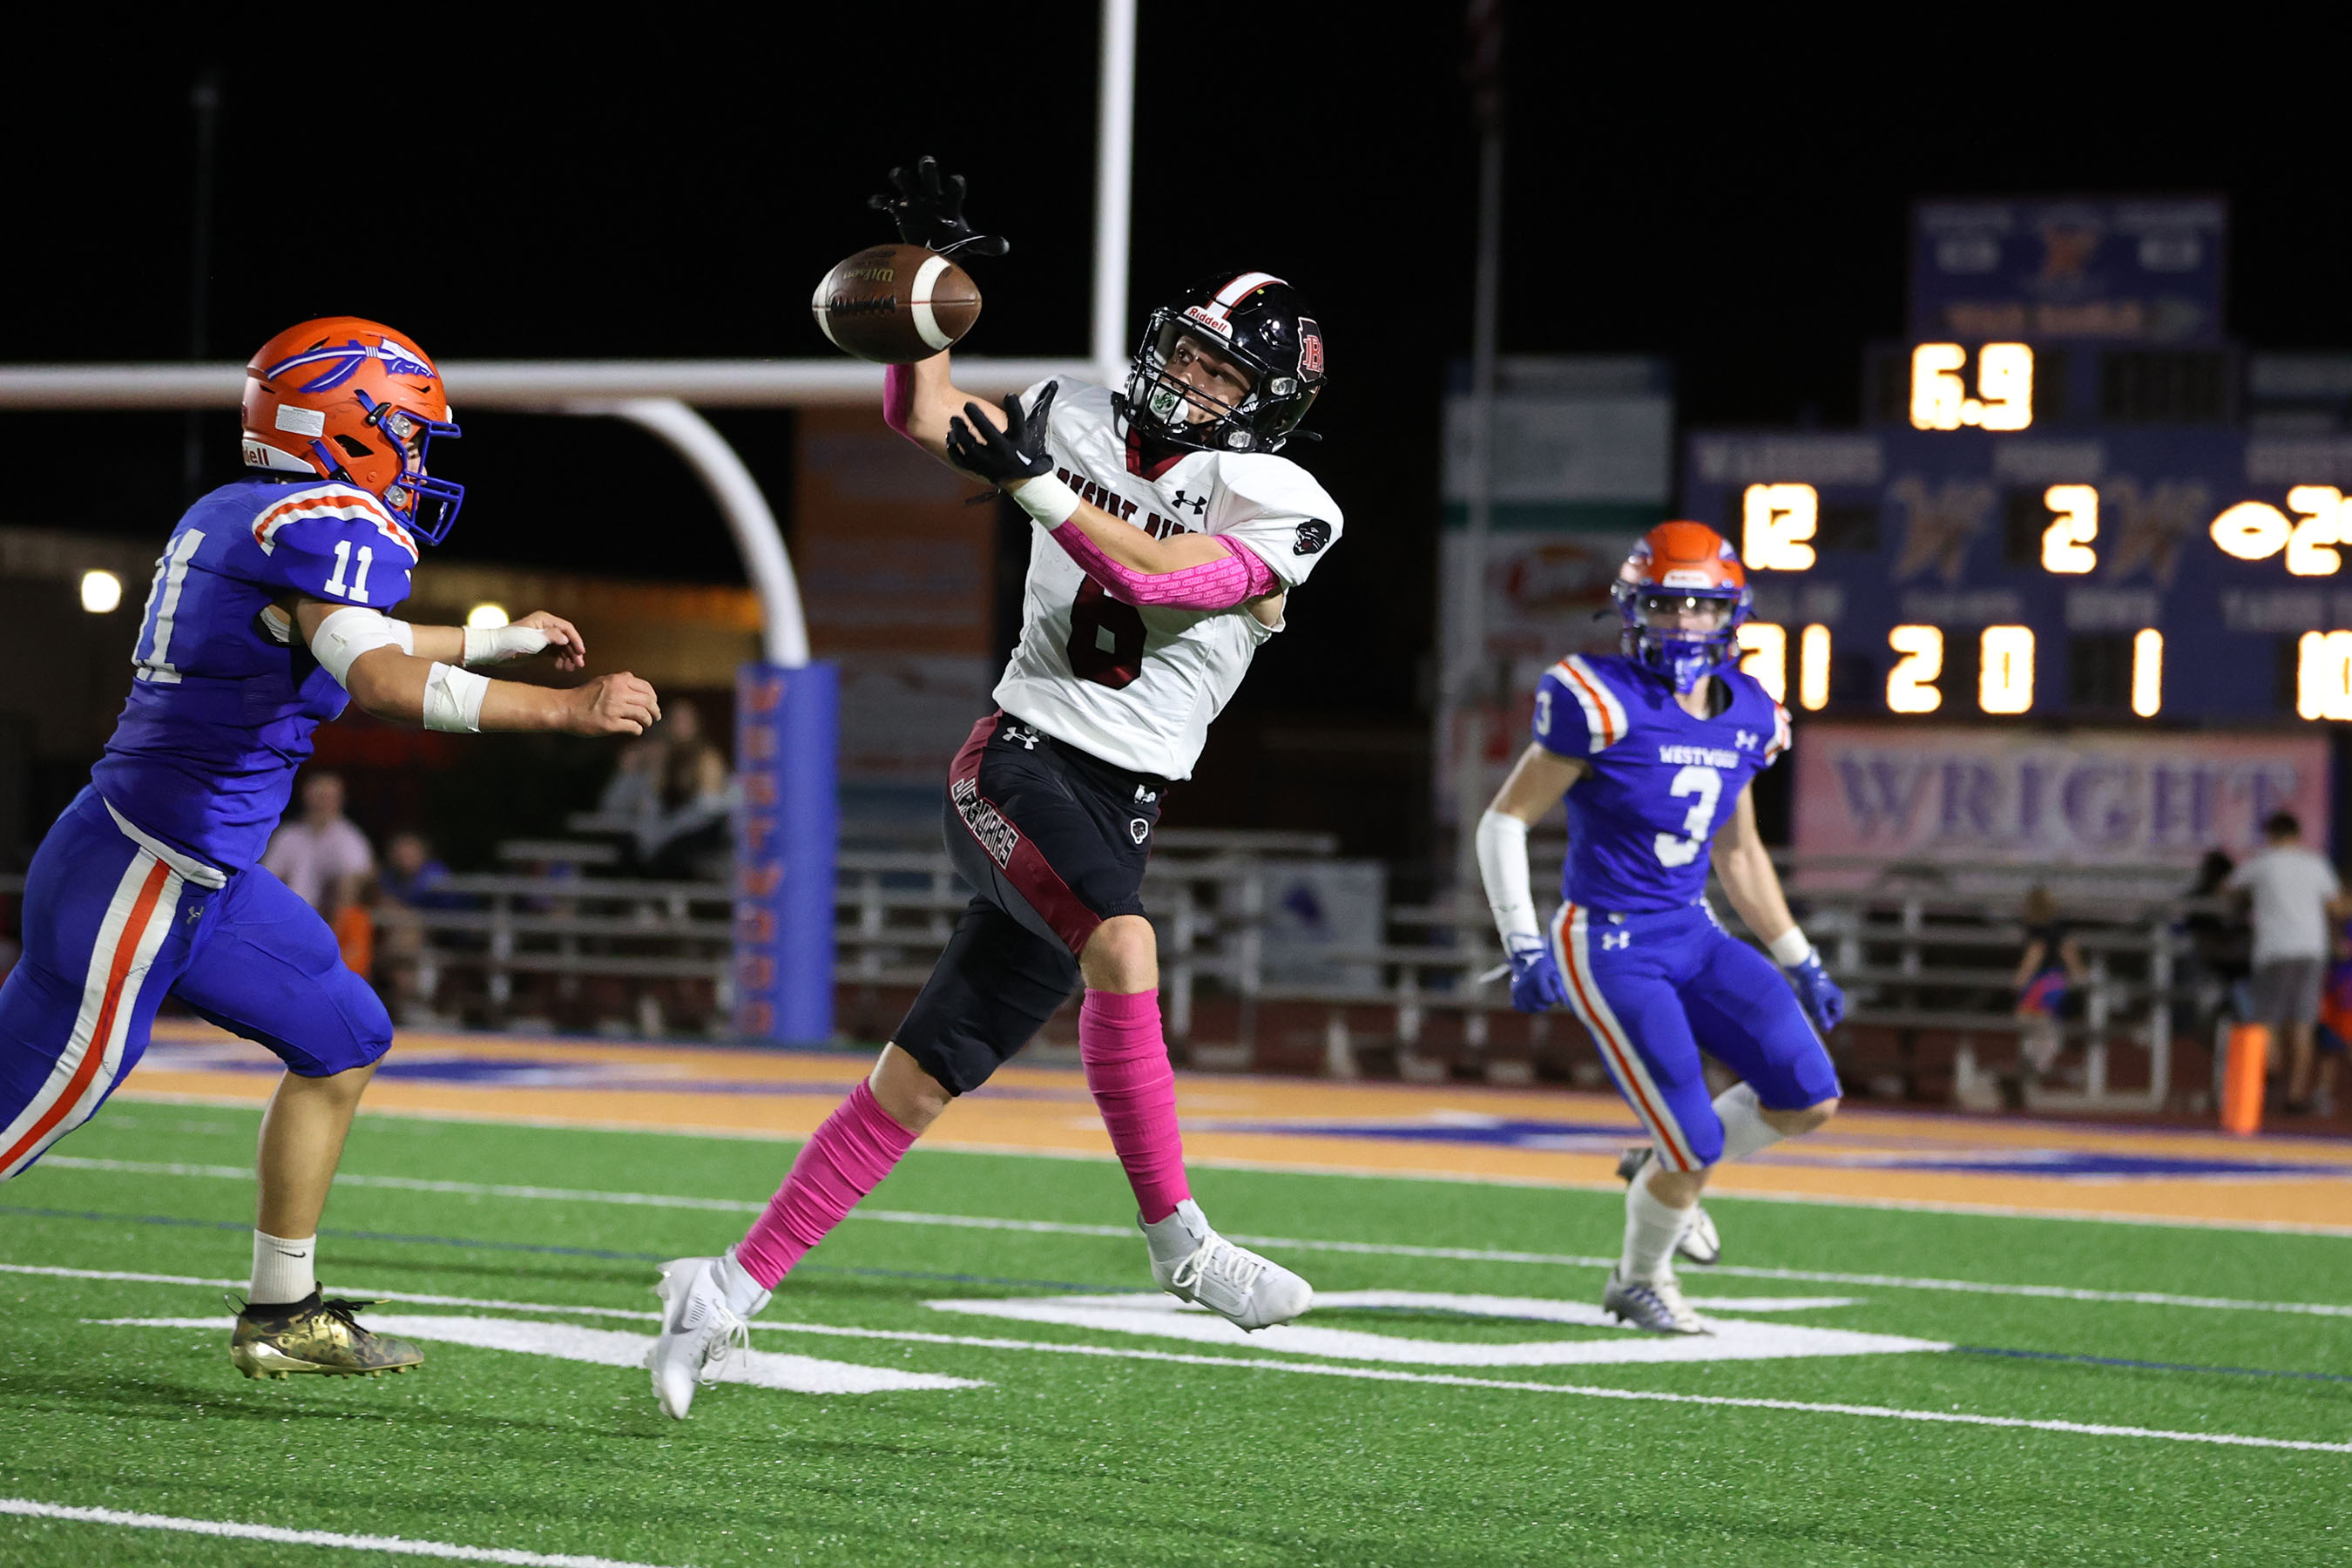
(1640, 824)
(1138, 686)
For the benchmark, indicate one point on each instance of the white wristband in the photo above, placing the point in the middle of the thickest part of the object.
(491, 644)
(1790, 948)
(453, 698)
(348, 632)
(1503, 867)
(1047, 499)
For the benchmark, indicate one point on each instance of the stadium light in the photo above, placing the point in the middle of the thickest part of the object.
(486, 617)
(101, 592)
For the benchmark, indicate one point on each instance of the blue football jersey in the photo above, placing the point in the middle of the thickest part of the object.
(1640, 823)
(222, 707)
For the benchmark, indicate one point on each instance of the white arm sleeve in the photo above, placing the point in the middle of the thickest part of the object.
(1503, 867)
(348, 632)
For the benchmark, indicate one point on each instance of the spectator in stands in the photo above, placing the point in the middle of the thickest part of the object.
(2293, 895)
(680, 796)
(2049, 973)
(321, 855)
(413, 876)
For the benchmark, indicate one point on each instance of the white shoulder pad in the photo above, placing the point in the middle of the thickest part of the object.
(351, 632)
(1274, 486)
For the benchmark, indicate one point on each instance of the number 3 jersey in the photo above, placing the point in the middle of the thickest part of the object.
(1640, 823)
(1138, 686)
(223, 699)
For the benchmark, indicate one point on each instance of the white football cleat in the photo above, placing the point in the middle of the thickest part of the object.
(1699, 1242)
(1194, 1263)
(1656, 1305)
(699, 1331)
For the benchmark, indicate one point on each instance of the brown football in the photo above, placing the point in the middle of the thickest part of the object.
(895, 304)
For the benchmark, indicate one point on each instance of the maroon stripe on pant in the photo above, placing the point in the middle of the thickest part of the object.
(1020, 862)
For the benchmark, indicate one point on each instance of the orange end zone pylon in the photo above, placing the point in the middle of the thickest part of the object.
(2241, 1078)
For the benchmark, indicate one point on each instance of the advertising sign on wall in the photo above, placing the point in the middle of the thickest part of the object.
(1984, 797)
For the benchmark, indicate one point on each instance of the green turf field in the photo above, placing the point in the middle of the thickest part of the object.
(1451, 1446)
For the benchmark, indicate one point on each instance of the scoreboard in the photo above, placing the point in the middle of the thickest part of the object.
(2059, 513)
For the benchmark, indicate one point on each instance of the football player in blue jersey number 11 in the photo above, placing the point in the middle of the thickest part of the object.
(266, 617)
(1654, 749)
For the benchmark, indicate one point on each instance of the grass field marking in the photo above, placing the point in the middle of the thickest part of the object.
(1280, 1168)
(1304, 1244)
(28, 1509)
(1316, 1369)
(609, 1347)
(1163, 1317)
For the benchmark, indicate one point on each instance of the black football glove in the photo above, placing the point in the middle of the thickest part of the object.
(1001, 457)
(929, 211)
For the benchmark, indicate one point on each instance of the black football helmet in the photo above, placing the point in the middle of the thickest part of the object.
(1252, 318)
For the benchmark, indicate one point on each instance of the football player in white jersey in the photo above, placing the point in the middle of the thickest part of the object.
(1169, 535)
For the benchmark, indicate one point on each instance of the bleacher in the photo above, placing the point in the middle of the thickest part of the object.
(1928, 960)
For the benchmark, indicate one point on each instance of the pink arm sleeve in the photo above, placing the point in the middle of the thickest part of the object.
(897, 396)
(1221, 585)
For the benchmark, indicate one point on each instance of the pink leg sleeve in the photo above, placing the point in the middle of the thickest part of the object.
(845, 1159)
(1128, 1072)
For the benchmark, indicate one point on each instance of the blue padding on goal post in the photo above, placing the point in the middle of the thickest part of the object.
(787, 839)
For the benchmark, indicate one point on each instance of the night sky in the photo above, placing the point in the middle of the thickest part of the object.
(1738, 203)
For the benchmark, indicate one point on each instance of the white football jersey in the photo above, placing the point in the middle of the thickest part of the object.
(1138, 686)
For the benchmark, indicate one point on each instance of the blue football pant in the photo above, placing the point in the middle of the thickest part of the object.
(113, 922)
(1654, 989)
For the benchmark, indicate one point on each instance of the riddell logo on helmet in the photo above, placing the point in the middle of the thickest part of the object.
(1213, 320)
(1684, 577)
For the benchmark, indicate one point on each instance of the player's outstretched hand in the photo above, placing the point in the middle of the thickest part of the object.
(612, 705)
(928, 210)
(1823, 1003)
(569, 647)
(1003, 457)
(1535, 982)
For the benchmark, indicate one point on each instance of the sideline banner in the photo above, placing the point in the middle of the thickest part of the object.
(787, 835)
(2023, 797)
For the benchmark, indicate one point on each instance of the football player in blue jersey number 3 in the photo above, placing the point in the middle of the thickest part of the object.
(1654, 749)
(267, 615)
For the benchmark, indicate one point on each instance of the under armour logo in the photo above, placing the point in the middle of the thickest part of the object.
(1142, 793)
(1615, 939)
(196, 913)
(1023, 736)
(1199, 504)
(1137, 829)
(1747, 739)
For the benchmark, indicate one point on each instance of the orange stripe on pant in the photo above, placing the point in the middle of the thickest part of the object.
(126, 948)
(1620, 1051)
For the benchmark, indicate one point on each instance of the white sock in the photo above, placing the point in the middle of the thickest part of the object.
(1652, 1228)
(283, 1270)
(1744, 1131)
(745, 1295)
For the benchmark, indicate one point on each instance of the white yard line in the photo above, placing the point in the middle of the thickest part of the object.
(1311, 1369)
(1283, 1168)
(1298, 1244)
(27, 1508)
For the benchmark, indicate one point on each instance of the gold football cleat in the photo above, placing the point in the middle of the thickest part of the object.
(314, 1336)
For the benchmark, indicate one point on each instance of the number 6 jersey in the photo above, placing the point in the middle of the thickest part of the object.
(1640, 823)
(1138, 687)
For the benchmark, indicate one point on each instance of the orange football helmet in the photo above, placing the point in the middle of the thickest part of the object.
(1682, 594)
(349, 399)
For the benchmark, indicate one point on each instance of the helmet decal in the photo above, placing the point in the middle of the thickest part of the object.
(344, 361)
(1311, 347)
